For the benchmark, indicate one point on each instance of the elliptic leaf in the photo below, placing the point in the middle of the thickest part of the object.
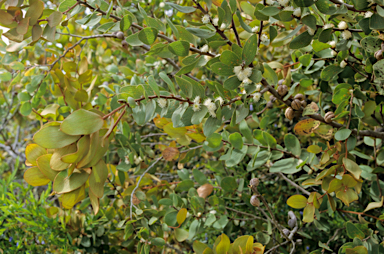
(97, 178)
(64, 183)
(34, 151)
(51, 137)
(45, 168)
(34, 177)
(297, 201)
(82, 122)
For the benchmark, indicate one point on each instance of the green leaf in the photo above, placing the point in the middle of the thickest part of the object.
(185, 86)
(125, 23)
(342, 134)
(330, 72)
(228, 184)
(97, 178)
(199, 176)
(222, 69)
(236, 140)
(55, 18)
(82, 122)
(376, 22)
(340, 95)
(292, 144)
(250, 49)
(326, 7)
(352, 167)
(301, 41)
(66, 4)
(230, 58)
(179, 48)
(310, 21)
(304, 3)
(64, 183)
(353, 231)
(26, 108)
(214, 140)
(314, 149)
(148, 35)
(232, 83)
(51, 137)
(183, 9)
(297, 201)
(270, 11)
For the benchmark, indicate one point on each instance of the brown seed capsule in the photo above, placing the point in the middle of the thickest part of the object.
(379, 54)
(328, 117)
(296, 104)
(299, 96)
(254, 182)
(303, 104)
(282, 90)
(124, 44)
(272, 98)
(289, 113)
(120, 35)
(255, 201)
(269, 104)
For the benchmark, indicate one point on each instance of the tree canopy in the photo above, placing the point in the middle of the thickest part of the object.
(214, 126)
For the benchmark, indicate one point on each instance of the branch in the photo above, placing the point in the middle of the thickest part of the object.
(193, 49)
(318, 117)
(244, 213)
(138, 183)
(349, 6)
(294, 184)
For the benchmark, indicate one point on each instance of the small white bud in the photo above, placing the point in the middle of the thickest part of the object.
(368, 14)
(205, 48)
(162, 4)
(205, 19)
(162, 102)
(255, 29)
(342, 25)
(256, 97)
(333, 44)
(297, 12)
(215, 21)
(346, 35)
(343, 64)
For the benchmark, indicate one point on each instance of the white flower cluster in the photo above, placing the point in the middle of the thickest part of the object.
(327, 26)
(264, 38)
(243, 74)
(368, 14)
(223, 26)
(289, 8)
(346, 35)
(215, 21)
(297, 12)
(258, 87)
(283, 2)
(256, 97)
(270, 2)
(204, 48)
(196, 104)
(255, 29)
(205, 19)
(334, 53)
(162, 102)
(332, 44)
(342, 25)
(137, 160)
(162, 4)
(220, 100)
(343, 64)
(311, 31)
(211, 106)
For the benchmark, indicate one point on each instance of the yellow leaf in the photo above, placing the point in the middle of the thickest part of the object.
(297, 201)
(34, 151)
(309, 212)
(374, 205)
(306, 127)
(258, 248)
(181, 216)
(34, 177)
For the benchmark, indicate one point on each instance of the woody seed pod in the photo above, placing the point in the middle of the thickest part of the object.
(328, 117)
(254, 182)
(255, 201)
(304, 104)
(379, 54)
(120, 35)
(124, 44)
(282, 90)
(289, 113)
(269, 104)
(296, 104)
(299, 96)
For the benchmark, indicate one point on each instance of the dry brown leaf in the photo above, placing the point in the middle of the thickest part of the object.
(170, 153)
(205, 190)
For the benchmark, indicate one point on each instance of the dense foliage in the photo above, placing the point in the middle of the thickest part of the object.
(192, 126)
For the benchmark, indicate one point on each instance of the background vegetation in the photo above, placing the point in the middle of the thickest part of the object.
(218, 126)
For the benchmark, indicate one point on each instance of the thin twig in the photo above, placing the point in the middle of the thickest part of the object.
(294, 184)
(138, 183)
